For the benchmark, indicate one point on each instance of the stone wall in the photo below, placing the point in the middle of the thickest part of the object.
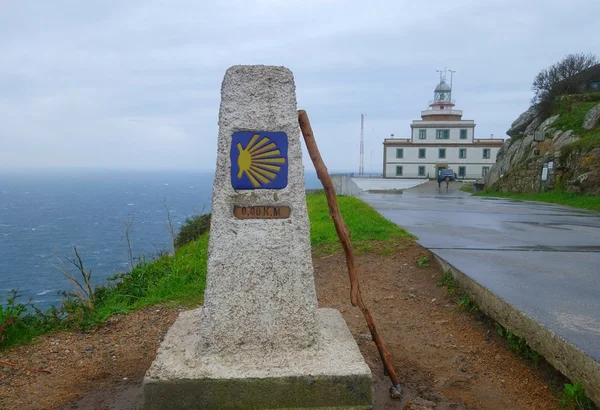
(582, 172)
(527, 177)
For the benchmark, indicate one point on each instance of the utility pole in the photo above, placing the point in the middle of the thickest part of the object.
(361, 168)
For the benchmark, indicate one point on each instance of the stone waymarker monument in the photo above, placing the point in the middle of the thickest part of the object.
(259, 341)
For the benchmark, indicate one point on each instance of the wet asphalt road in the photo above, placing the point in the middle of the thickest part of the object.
(543, 259)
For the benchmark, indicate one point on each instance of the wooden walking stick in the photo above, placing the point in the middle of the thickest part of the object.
(344, 235)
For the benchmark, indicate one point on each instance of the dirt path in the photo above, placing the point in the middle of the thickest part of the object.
(442, 354)
(453, 358)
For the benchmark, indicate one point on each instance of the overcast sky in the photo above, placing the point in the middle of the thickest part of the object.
(136, 83)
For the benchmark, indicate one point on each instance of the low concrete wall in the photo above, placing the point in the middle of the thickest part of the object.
(565, 357)
(345, 186)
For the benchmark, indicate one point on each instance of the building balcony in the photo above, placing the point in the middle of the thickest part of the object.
(432, 122)
(426, 113)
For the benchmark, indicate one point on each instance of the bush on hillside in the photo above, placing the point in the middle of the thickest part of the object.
(560, 78)
(192, 229)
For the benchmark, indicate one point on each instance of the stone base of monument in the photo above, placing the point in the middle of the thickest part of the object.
(332, 376)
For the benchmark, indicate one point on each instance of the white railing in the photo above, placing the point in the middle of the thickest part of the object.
(441, 112)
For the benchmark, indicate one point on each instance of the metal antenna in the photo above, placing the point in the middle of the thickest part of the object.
(361, 167)
(451, 73)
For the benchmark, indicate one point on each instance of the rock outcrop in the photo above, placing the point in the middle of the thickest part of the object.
(592, 118)
(521, 159)
(520, 124)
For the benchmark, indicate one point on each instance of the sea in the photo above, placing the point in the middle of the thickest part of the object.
(45, 213)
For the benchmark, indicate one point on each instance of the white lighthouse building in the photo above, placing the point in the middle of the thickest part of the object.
(441, 139)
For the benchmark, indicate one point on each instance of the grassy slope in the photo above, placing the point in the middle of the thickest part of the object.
(180, 279)
(572, 110)
(366, 225)
(555, 197)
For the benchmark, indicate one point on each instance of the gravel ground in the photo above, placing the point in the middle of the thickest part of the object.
(443, 355)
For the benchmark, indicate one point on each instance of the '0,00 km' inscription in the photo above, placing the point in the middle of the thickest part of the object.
(261, 212)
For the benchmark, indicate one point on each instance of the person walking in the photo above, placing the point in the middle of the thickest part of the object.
(442, 178)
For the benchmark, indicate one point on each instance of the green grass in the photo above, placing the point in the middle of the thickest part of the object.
(365, 224)
(572, 115)
(554, 197)
(180, 279)
(467, 187)
(177, 280)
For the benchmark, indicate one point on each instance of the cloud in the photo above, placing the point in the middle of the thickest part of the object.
(135, 84)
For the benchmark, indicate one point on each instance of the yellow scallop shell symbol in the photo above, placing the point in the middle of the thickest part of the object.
(259, 160)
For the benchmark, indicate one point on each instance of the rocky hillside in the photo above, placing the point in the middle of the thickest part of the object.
(570, 150)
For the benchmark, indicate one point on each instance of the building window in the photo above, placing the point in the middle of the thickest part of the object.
(422, 134)
(484, 171)
(486, 153)
(462, 172)
(421, 153)
(421, 171)
(399, 152)
(442, 134)
(442, 153)
(463, 134)
(462, 153)
(398, 171)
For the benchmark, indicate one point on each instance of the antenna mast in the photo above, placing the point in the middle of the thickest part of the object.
(361, 168)
(451, 73)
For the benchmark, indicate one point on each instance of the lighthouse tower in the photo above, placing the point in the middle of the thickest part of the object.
(442, 107)
(440, 140)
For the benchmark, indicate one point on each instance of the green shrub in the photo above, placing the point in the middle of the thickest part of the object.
(447, 279)
(519, 345)
(20, 322)
(465, 304)
(573, 398)
(192, 229)
(423, 261)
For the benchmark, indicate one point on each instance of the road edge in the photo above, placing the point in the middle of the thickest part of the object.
(564, 356)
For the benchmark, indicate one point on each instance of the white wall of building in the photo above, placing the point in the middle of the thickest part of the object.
(431, 127)
(411, 171)
(474, 154)
(474, 162)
